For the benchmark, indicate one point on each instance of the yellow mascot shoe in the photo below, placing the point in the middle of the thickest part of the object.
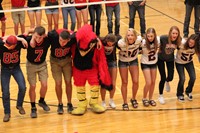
(97, 108)
(81, 109)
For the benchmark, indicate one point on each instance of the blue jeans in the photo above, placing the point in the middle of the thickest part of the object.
(72, 12)
(188, 12)
(163, 77)
(92, 10)
(191, 72)
(141, 12)
(6, 73)
(109, 13)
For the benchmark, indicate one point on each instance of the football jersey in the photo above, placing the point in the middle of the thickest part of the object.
(80, 2)
(56, 50)
(184, 56)
(149, 56)
(130, 52)
(111, 4)
(63, 2)
(10, 58)
(38, 54)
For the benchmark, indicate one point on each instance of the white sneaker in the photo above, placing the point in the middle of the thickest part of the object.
(104, 104)
(112, 104)
(167, 86)
(161, 99)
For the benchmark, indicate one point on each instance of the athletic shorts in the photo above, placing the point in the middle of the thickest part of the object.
(81, 7)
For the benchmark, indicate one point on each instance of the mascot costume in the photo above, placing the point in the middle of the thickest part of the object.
(89, 64)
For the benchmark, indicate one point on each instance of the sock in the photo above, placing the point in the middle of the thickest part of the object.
(3, 34)
(32, 104)
(41, 99)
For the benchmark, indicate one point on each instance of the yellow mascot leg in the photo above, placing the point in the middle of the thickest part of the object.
(94, 92)
(82, 105)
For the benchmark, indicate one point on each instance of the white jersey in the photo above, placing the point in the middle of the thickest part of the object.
(184, 56)
(63, 2)
(149, 57)
(130, 53)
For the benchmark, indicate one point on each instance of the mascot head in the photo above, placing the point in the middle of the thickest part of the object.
(86, 39)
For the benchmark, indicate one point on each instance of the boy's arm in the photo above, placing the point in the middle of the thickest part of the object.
(24, 42)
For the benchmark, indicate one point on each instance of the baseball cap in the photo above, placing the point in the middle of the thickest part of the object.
(11, 40)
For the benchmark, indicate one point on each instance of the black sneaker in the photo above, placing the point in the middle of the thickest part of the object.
(189, 96)
(69, 107)
(44, 106)
(181, 98)
(21, 110)
(60, 109)
(6, 118)
(33, 112)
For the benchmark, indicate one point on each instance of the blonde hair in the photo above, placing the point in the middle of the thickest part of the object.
(126, 38)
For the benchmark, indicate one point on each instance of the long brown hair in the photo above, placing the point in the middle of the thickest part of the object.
(110, 38)
(178, 40)
(196, 39)
(155, 41)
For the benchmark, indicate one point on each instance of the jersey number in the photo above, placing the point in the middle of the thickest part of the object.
(39, 52)
(151, 56)
(186, 57)
(68, 1)
(61, 52)
(10, 57)
(132, 53)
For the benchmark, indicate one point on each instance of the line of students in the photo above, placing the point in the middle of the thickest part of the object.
(154, 52)
(38, 44)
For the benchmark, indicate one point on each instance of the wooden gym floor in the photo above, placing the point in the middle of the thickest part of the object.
(171, 117)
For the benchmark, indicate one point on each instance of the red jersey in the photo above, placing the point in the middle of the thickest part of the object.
(95, 0)
(111, 4)
(17, 3)
(80, 1)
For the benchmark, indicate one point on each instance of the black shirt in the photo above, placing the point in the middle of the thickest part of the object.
(38, 54)
(56, 50)
(10, 58)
